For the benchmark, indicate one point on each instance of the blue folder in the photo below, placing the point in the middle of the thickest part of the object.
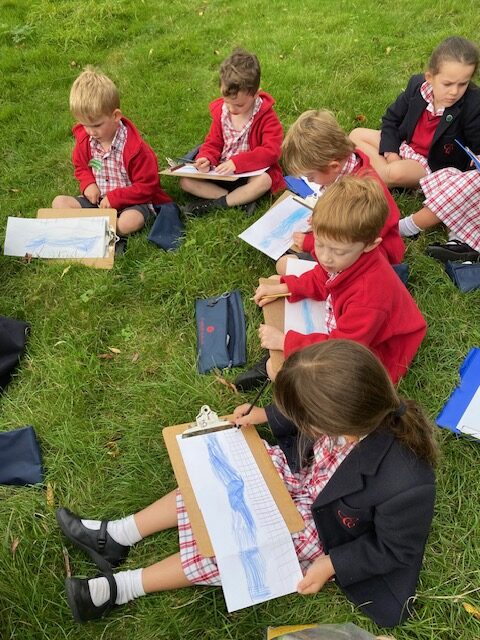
(298, 186)
(461, 397)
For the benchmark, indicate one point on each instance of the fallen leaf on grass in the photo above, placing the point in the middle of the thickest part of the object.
(361, 118)
(388, 50)
(66, 559)
(13, 190)
(113, 449)
(114, 350)
(50, 495)
(471, 609)
(135, 357)
(66, 270)
(221, 380)
(14, 545)
(27, 258)
(106, 356)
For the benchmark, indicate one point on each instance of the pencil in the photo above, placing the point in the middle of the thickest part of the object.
(257, 398)
(275, 295)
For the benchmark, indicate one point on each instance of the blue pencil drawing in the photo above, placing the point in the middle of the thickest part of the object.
(286, 227)
(307, 316)
(80, 246)
(243, 525)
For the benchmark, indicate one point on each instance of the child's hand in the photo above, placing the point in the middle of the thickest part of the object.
(317, 575)
(298, 238)
(225, 168)
(105, 203)
(268, 290)
(256, 416)
(92, 193)
(271, 338)
(390, 156)
(202, 164)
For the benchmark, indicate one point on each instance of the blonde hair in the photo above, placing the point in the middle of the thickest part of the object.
(313, 141)
(351, 210)
(240, 72)
(339, 388)
(93, 94)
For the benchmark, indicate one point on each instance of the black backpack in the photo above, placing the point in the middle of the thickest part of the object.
(13, 337)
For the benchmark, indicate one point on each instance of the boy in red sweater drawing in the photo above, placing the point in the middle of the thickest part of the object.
(113, 165)
(316, 147)
(245, 135)
(365, 299)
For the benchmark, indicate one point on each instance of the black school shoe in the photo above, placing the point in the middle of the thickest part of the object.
(254, 377)
(80, 601)
(452, 250)
(100, 546)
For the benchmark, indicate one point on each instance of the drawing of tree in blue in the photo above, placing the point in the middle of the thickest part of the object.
(37, 245)
(243, 525)
(286, 227)
(307, 317)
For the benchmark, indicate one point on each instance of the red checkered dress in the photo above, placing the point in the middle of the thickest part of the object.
(236, 141)
(113, 174)
(454, 197)
(304, 487)
(406, 152)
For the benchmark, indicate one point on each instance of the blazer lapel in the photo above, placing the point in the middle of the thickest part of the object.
(362, 461)
(449, 116)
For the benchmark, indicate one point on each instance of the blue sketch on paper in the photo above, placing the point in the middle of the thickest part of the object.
(243, 524)
(286, 227)
(306, 310)
(82, 245)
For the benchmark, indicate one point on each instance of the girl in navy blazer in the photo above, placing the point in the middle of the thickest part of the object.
(419, 129)
(365, 493)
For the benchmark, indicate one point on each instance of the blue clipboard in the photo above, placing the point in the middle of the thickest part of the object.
(469, 153)
(461, 397)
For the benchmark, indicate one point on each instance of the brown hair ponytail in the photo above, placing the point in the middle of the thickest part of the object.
(339, 387)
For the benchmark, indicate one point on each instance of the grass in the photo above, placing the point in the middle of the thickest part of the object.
(351, 57)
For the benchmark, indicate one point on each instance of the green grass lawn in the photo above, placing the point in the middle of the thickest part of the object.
(350, 57)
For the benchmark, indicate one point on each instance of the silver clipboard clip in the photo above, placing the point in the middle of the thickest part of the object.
(207, 421)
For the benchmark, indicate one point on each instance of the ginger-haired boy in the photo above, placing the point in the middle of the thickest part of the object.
(245, 135)
(113, 165)
(318, 148)
(365, 299)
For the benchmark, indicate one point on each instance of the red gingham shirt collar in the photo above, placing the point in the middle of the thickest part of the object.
(426, 92)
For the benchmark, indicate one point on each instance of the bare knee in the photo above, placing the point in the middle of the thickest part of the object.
(65, 202)
(130, 221)
(262, 183)
(281, 265)
(356, 135)
(186, 184)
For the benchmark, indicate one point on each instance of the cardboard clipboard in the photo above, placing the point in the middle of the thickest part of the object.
(178, 173)
(287, 508)
(274, 315)
(97, 263)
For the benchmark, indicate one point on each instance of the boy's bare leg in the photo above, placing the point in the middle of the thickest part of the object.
(368, 141)
(129, 221)
(165, 575)
(65, 202)
(158, 516)
(255, 187)
(281, 264)
(202, 188)
(402, 173)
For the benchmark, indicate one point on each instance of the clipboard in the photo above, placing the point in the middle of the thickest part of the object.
(96, 263)
(178, 173)
(274, 315)
(292, 517)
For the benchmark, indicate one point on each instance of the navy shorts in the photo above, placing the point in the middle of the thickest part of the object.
(144, 209)
(230, 185)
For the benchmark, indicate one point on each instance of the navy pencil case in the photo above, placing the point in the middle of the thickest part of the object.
(221, 335)
(465, 275)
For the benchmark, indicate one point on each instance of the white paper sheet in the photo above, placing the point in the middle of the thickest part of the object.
(253, 547)
(469, 423)
(305, 316)
(188, 168)
(82, 237)
(272, 233)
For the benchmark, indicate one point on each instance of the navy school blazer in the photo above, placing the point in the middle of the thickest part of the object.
(373, 517)
(461, 120)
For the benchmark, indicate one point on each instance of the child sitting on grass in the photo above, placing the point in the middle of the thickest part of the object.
(245, 135)
(366, 496)
(365, 299)
(113, 165)
(317, 147)
(419, 129)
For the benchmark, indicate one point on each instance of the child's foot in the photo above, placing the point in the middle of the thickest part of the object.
(98, 543)
(250, 208)
(452, 250)
(202, 206)
(80, 599)
(120, 246)
(254, 377)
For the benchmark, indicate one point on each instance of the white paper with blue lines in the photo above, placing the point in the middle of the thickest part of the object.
(252, 544)
(306, 316)
(273, 232)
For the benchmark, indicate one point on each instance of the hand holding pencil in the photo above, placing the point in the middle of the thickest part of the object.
(266, 293)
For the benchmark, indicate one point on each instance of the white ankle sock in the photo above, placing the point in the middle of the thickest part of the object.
(123, 531)
(453, 236)
(407, 227)
(129, 587)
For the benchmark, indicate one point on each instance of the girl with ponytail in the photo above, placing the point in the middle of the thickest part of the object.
(365, 459)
